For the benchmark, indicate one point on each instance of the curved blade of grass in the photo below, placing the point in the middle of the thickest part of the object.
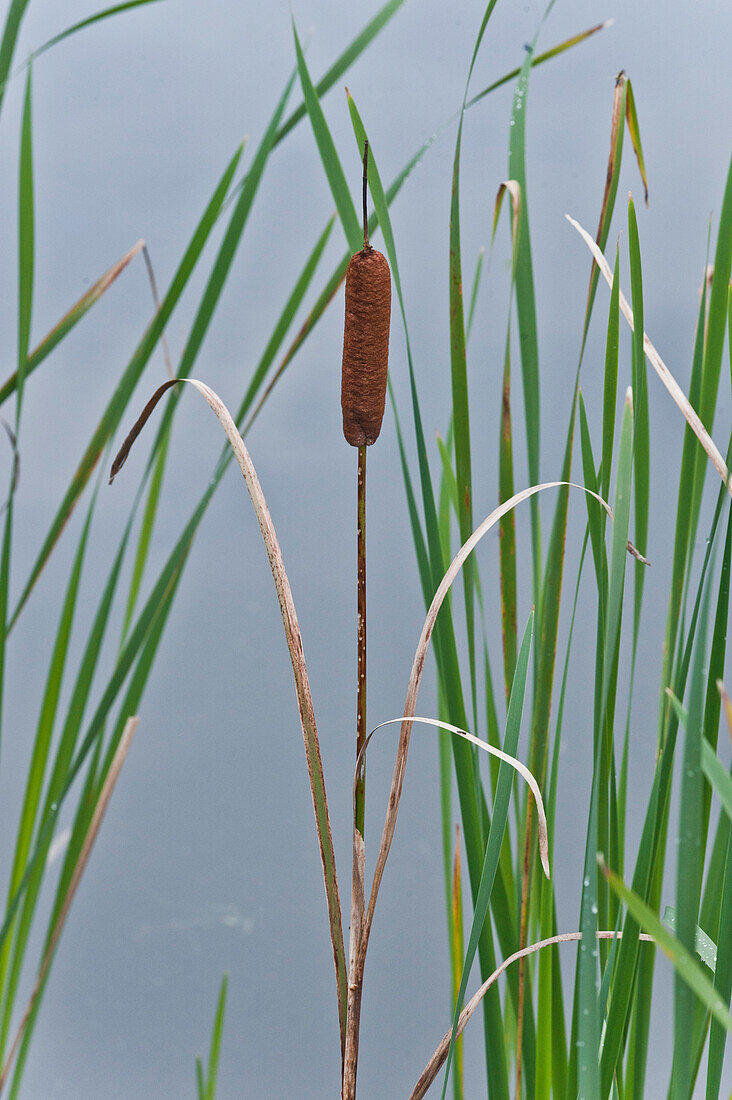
(683, 960)
(434, 1065)
(328, 155)
(159, 456)
(294, 643)
(498, 828)
(69, 320)
(677, 394)
(119, 400)
(115, 9)
(501, 754)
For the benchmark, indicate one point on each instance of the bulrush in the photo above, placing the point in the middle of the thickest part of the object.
(365, 342)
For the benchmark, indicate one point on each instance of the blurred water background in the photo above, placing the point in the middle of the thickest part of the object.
(207, 860)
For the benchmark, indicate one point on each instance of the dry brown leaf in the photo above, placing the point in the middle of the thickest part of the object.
(437, 1060)
(514, 763)
(677, 394)
(297, 658)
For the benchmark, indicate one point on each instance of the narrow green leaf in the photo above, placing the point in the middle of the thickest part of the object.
(343, 63)
(215, 1049)
(689, 863)
(717, 776)
(631, 118)
(474, 292)
(705, 947)
(41, 746)
(610, 383)
(13, 19)
(26, 244)
(328, 155)
(686, 967)
(497, 827)
(722, 983)
(714, 342)
(115, 9)
(539, 59)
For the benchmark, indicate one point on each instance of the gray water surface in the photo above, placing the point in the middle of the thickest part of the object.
(207, 861)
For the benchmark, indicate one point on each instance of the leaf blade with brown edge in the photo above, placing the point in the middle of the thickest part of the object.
(70, 319)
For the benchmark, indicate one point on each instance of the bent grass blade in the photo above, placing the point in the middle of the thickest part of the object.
(295, 647)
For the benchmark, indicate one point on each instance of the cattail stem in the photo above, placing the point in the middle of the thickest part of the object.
(365, 195)
(361, 633)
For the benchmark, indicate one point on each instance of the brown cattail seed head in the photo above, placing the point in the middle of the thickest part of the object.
(365, 346)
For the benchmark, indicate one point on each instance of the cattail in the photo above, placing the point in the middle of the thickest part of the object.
(365, 341)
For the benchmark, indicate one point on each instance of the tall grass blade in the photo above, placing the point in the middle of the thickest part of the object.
(722, 983)
(215, 1047)
(26, 245)
(497, 828)
(689, 862)
(328, 155)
